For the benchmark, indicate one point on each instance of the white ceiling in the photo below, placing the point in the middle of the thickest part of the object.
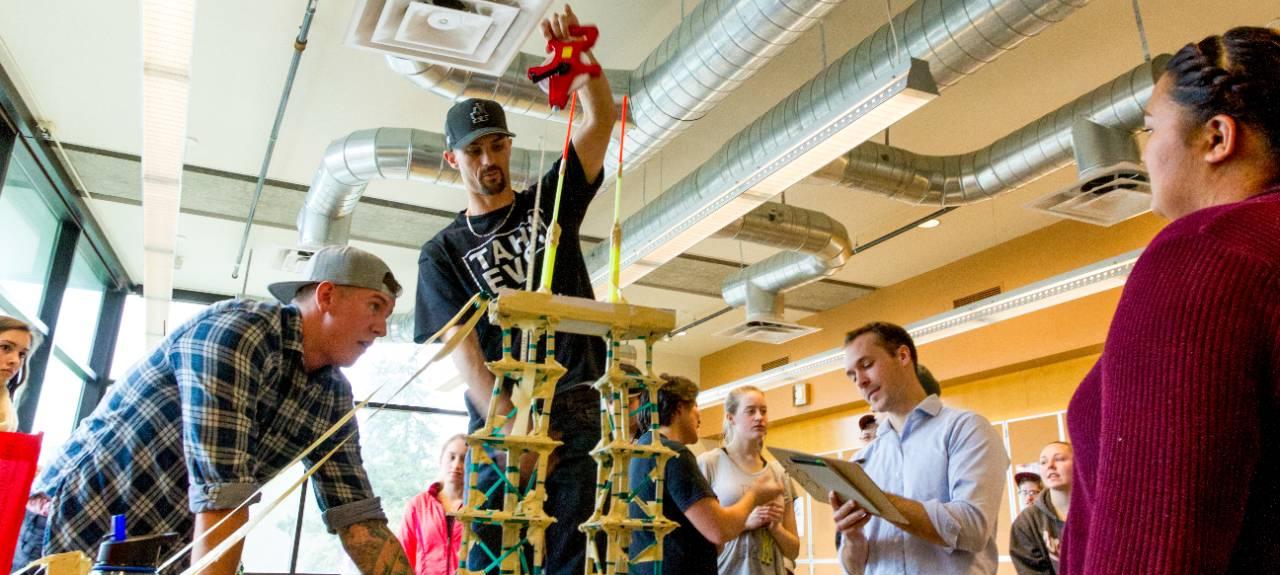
(79, 64)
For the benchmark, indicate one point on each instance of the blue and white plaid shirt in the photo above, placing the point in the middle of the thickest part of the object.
(215, 411)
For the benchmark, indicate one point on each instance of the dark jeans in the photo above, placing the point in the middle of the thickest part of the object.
(575, 420)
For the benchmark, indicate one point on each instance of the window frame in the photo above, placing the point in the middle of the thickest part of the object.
(23, 142)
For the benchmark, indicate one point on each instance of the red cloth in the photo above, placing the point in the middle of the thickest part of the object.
(430, 538)
(1177, 429)
(19, 453)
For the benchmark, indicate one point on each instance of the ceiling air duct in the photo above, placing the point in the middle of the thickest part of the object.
(855, 97)
(1097, 126)
(716, 47)
(352, 161)
(815, 246)
(1113, 185)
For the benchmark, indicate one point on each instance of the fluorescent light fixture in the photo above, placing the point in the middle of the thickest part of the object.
(930, 224)
(167, 29)
(845, 121)
(1075, 284)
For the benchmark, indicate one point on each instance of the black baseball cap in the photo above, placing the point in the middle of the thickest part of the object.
(866, 421)
(471, 119)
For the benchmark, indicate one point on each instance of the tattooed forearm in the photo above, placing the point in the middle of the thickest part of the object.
(374, 549)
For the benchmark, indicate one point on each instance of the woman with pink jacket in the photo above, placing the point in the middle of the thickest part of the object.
(430, 537)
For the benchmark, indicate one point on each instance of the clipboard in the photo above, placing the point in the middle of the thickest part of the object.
(820, 475)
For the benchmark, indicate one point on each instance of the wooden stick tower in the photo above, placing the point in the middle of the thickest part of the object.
(616, 450)
(538, 316)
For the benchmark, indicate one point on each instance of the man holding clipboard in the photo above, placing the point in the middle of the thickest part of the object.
(947, 465)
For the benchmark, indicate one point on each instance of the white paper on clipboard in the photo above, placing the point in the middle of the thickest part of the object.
(821, 475)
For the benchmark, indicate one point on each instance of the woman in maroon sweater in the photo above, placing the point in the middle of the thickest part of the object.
(1177, 428)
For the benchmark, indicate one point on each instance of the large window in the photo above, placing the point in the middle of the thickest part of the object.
(68, 372)
(390, 365)
(81, 305)
(401, 454)
(131, 343)
(31, 229)
(59, 405)
(401, 451)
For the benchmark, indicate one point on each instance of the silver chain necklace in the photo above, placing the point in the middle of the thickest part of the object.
(510, 208)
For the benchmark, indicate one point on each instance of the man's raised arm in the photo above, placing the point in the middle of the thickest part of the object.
(591, 138)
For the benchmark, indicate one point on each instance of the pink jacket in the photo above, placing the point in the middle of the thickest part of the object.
(430, 538)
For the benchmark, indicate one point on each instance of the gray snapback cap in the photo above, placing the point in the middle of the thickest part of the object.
(345, 266)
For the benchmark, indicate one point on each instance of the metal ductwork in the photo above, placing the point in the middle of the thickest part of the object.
(1021, 157)
(352, 161)
(955, 38)
(716, 47)
(814, 246)
(1112, 184)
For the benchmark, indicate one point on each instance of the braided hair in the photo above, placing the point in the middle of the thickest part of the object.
(1236, 74)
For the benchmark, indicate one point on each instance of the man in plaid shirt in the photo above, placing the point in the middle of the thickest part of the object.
(221, 406)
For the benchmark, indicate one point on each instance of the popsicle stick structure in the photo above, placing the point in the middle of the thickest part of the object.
(538, 315)
(613, 455)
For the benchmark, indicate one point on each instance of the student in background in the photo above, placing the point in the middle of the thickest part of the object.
(16, 342)
(1029, 488)
(688, 499)
(430, 537)
(769, 538)
(930, 383)
(1186, 394)
(1037, 532)
(867, 428)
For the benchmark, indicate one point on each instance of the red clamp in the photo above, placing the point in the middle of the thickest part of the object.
(564, 71)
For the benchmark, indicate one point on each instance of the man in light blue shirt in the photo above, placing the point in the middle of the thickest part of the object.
(944, 468)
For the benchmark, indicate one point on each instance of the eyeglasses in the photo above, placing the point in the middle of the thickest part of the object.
(1028, 492)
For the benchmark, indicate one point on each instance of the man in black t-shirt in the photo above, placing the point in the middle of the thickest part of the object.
(687, 497)
(485, 248)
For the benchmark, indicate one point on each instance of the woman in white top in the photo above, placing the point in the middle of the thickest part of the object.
(770, 543)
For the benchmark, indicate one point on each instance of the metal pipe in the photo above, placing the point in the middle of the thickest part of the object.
(1015, 160)
(299, 44)
(955, 37)
(352, 161)
(714, 49)
(815, 246)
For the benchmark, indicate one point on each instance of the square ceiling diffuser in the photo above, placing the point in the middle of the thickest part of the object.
(1111, 196)
(478, 35)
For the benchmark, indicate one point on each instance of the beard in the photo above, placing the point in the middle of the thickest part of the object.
(495, 186)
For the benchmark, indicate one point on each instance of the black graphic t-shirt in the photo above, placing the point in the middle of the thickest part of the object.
(457, 263)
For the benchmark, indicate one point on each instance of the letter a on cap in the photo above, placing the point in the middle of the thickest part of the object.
(478, 114)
